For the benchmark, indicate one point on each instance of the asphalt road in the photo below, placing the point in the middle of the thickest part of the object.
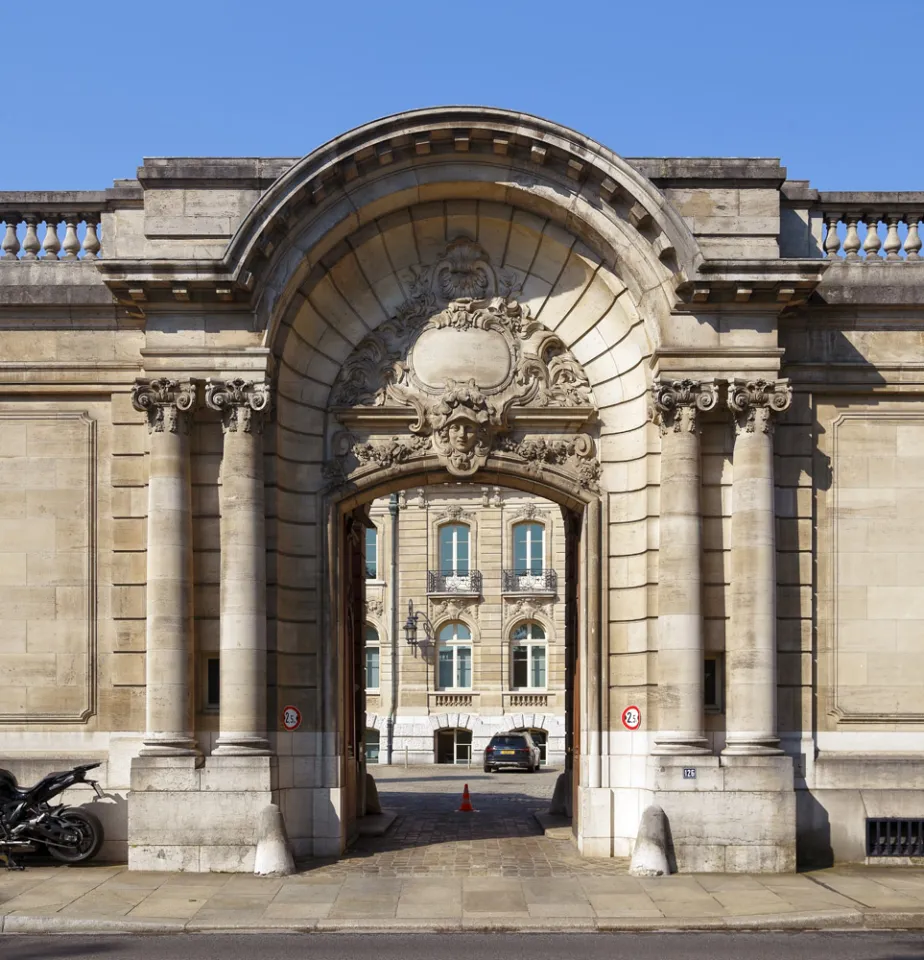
(345, 946)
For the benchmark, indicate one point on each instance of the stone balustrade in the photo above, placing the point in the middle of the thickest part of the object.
(51, 226)
(872, 228)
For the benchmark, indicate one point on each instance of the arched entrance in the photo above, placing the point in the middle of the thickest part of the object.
(482, 319)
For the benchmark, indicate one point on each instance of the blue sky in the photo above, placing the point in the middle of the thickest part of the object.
(833, 88)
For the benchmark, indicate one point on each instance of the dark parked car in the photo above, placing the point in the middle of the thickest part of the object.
(517, 750)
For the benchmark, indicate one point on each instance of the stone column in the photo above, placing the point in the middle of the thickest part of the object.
(676, 406)
(750, 648)
(169, 405)
(244, 406)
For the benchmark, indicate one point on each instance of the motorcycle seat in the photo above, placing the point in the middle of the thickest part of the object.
(10, 788)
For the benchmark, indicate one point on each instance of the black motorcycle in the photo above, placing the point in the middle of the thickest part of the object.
(28, 822)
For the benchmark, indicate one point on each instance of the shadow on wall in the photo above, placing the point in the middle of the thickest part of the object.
(813, 833)
(810, 345)
(112, 812)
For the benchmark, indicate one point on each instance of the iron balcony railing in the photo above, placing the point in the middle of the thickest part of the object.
(521, 581)
(454, 582)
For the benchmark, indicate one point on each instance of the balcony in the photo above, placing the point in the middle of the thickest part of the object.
(454, 584)
(518, 581)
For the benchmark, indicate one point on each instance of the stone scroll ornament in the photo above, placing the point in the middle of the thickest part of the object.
(243, 404)
(461, 358)
(169, 404)
(675, 403)
(755, 402)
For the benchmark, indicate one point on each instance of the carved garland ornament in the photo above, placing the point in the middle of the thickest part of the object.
(461, 356)
(453, 609)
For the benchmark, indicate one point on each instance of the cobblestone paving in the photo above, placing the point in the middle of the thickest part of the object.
(431, 838)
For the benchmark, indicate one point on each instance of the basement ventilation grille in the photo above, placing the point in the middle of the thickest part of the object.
(894, 837)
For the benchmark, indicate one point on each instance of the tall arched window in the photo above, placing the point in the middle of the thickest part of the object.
(372, 658)
(454, 657)
(528, 549)
(454, 550)
(528, 657)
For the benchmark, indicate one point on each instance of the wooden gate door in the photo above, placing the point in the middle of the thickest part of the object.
(572, 524)
(353, 580)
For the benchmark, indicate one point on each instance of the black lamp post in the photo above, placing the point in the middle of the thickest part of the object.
(410, 626)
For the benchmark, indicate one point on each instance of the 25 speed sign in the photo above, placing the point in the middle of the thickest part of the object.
(632, 718)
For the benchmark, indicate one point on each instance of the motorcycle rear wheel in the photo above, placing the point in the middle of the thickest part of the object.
(89, 830)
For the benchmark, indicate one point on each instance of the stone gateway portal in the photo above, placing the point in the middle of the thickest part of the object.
(683, 392)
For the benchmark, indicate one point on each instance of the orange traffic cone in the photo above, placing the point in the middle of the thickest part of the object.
(466, 802)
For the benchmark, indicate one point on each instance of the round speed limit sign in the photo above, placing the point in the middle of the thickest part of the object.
(632, 718)
(291, 718)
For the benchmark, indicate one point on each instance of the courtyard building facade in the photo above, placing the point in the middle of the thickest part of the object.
(706, 378)
(481, 564)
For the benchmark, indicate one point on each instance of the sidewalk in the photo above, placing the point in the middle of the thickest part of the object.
(98, 899)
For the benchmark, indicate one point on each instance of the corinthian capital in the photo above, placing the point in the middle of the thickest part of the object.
(243, 404)
(675, 403)
(754, 403)
(169, 404)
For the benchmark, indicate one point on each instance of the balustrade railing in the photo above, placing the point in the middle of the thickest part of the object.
(51, 226)
(858, 229)
(469, 583)
(527, 700)
(522, 581)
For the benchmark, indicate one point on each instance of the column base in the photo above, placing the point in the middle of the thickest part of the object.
(694, 746)
(231, 746)
(752, 747)
(169, 747)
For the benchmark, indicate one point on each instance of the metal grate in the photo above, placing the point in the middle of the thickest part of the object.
(894, 837)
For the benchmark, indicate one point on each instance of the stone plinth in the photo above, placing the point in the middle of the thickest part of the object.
(182, 816)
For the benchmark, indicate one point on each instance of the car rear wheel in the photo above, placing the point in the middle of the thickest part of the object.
(487, 769)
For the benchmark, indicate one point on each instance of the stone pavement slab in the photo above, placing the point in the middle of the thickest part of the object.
(106, 898)
(436, 869)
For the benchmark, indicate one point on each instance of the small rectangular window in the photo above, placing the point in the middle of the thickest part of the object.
(712, 684)
(213, 683)
(372, 668)
(372, 553)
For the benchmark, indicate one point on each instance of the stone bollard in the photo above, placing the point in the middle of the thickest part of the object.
(373, 805)
(560, 804)
(274, 858)
(649, 858)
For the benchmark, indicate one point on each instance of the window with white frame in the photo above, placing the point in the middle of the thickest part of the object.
(454, 549)
(372, 658)
(528, 657)
(454, 657)
(528, 549)
(372, 553)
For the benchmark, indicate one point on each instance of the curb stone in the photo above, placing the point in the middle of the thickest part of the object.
(829, 920)
(58, 924)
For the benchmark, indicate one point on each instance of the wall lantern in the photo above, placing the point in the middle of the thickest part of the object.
(410, 626)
